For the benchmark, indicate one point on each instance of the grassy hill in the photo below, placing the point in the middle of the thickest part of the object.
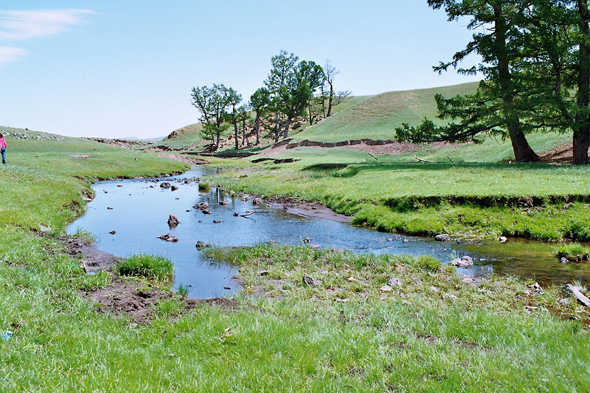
(376, 117)
(183, 137)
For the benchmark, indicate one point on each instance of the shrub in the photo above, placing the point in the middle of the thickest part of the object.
(149, 266)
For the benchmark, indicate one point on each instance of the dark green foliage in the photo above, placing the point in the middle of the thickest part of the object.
(536, 65)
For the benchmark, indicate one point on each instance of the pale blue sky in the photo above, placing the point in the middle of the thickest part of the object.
(122, 68)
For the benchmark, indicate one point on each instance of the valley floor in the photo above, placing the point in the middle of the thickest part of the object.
(307, 320)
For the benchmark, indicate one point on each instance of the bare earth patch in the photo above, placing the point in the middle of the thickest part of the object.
(124, 297)
(562, 155)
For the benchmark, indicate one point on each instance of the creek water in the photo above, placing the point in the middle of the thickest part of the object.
(138, 210)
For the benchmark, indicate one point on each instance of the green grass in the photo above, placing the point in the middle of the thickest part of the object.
(377, 116)
(573, 252)
(435, 332)
(343, 335)
(483, 200)
(148, 266)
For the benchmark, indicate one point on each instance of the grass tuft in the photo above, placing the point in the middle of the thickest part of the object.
(573, 252)
(148, 266)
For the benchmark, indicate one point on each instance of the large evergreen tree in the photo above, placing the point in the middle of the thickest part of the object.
(495, 107)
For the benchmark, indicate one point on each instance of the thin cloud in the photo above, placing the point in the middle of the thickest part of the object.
(8, 54)
(22, 25)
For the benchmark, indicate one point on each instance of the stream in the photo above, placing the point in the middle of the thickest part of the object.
(138, 210)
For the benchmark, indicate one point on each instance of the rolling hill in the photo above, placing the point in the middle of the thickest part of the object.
(376, 117)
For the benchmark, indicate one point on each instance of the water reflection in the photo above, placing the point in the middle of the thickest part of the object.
(138, 211)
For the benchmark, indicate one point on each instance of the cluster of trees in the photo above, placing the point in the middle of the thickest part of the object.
(536, 67)
(292, 89)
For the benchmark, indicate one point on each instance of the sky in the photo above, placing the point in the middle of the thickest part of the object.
(126, 68)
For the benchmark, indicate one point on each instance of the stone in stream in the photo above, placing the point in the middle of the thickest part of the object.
(112, 232)
(202, 245)
(169, 238)
(165, 185)
(173, 221)
(464, 262)
(564, 260)
(257, 201)
(173, 188)
(224, 203)
(503, 239)
(217, 221)
(206, 211)
(201, 206)
(442, 238)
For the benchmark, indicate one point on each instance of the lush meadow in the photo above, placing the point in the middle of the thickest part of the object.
(435, 331)
(461, 197)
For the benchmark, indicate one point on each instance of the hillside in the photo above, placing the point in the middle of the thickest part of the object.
(376, 117)
(182, 138)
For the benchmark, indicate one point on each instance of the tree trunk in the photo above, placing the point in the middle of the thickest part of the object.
(277, 128)
(581, 139)
(286, 132)
(236, 134)
(243, 132)
(257, 127)
(520, 146)
(330, 98)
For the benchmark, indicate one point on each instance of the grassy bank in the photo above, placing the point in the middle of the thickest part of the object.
(396, 193)
(433, 333)
(431, 330)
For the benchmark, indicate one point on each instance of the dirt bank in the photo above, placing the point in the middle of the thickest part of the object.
(134, 300)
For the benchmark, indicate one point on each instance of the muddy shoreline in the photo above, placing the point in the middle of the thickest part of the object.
(127, 297)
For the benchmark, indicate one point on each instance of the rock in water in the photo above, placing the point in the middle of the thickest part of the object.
(202, 245)
(174, 188)
(165, 185)
(201, 206)
(442, 238)
(464, 262)
(169, 238)
(173, 221)
(257, 201)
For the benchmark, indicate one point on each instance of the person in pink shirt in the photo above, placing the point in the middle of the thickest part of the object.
(3, 148)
